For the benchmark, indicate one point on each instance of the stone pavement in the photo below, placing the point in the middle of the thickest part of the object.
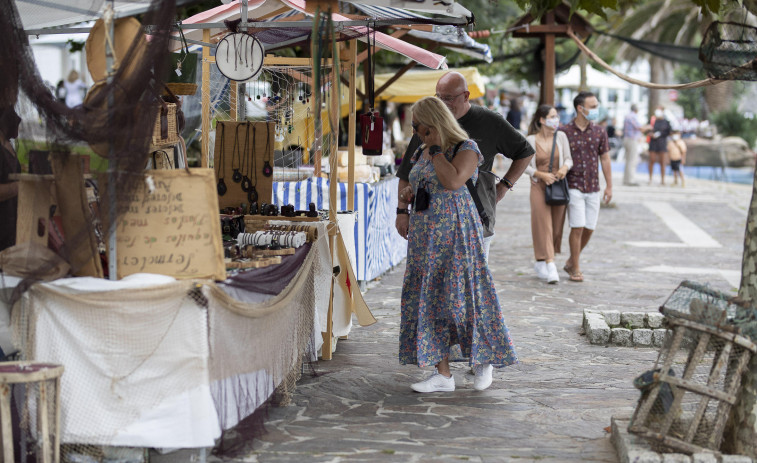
(556, 405)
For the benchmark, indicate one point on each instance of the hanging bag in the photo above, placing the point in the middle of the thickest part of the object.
(556, 194)
(371, 123)
(182, 69)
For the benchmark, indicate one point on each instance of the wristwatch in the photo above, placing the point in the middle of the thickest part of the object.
(402, 210)
(433, 150)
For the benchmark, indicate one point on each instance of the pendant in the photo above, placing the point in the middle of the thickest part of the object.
(246, 184)
(267, 169)
(221, 187)
(252, 195)
(236, 176)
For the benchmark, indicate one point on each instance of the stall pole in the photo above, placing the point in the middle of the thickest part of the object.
(351, 126)
(204, 161)
(112, 164)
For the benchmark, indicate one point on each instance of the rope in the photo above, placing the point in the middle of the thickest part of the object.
(601, 62)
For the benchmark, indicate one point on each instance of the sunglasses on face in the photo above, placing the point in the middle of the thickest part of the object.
(415, 125)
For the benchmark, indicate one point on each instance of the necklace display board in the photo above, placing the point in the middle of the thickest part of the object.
(242, 152)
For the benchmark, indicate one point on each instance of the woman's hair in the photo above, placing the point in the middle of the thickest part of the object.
(432, 112)
(73, 75)
(540, 112)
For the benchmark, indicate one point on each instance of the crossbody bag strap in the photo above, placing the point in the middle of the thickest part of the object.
(551, 156)
(474, 194)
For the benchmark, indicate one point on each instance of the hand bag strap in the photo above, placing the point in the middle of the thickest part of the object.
(474, 194)
(551, 156)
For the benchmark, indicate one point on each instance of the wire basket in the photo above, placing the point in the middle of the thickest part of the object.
(687, 397)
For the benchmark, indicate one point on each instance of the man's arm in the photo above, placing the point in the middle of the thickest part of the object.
(8, 191)
(604, 159)
(403, 220)
(513, 174)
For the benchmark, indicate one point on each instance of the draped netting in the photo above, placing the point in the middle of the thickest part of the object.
(119, 116)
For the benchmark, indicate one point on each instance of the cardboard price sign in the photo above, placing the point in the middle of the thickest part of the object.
(173, 229)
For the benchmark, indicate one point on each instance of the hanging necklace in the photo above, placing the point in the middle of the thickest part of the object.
(252, 194)
(235, 156)
(267, 169)
(221, 187)
(246, 182)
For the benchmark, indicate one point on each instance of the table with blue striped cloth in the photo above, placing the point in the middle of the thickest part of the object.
(378, 246)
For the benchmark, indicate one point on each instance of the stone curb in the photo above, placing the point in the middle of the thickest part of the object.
(626, 329)
(634, 449)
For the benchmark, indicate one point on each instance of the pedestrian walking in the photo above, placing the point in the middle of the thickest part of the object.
(658, 143)
(491, 132)
(551, 163)
(448, 294)
(74, 89)
(631, 136)
(589, 148)
(677, 155)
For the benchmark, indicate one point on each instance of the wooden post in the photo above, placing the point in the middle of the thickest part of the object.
(351, 126)
(205, 145)
(548, 78)
(234, 100)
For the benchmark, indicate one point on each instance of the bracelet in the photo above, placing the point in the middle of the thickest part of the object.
(508, 184)
(401, 210)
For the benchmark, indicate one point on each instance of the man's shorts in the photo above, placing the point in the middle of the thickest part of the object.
(675, 165)
(583, 209)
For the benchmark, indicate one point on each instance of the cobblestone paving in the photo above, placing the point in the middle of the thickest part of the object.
(554, 405)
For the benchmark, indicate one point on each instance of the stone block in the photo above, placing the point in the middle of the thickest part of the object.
(632, 319)
(612, 317)
(588, 313)
(704, 458)
(642, 337)
(735, 459)
(596, 329)
(654, 320)
(621, 337)
(658, 337)
(643, 456)
(675, 458)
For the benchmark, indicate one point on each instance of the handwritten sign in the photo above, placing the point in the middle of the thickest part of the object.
(169, 225)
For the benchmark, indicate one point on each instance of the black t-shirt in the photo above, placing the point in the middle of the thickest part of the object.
(8, 165)
(489, 130)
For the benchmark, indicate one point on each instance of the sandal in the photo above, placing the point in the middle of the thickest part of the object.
(577, 277)
(568, 270)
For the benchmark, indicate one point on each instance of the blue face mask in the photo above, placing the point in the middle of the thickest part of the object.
(593, 114)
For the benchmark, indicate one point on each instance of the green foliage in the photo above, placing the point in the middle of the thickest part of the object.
(691, 99)
(74, 46)
(601, 7)
(734, 123)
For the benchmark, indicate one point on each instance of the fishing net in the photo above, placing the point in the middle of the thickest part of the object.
(728, 51)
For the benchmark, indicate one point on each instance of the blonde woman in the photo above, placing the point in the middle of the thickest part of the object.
(448, 295)
(547, 221)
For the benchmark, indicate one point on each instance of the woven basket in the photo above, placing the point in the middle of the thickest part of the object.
(181, 88)
(172, 137)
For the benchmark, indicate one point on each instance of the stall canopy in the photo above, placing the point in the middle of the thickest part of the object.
(594, 79)
(280, 12)
(37, 14)
(414, 85)
(450, 37)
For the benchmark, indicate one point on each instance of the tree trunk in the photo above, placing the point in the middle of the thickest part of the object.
(657, 76)
(741, 433)
(582, 63)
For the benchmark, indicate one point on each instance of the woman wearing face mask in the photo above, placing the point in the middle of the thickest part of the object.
(658, 144)
(547, 221)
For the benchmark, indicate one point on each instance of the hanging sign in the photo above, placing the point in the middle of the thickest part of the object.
(239, 56)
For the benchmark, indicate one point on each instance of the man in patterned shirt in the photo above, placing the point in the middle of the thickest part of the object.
(589, 147)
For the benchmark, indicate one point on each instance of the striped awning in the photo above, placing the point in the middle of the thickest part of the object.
(273, 38)
(450, 37)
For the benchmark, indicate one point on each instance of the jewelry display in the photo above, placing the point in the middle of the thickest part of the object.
(221, 187)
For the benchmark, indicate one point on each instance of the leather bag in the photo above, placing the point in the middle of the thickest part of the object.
(556, 194)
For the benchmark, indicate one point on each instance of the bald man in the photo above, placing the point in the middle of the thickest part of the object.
(489, 129)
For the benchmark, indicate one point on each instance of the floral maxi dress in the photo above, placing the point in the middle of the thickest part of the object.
(448, 295)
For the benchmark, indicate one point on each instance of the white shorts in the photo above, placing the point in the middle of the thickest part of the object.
(583, 209)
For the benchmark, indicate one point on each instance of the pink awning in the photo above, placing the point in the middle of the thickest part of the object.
(262, 7)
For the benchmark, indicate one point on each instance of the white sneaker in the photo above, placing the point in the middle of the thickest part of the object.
(541, 269)
(552, 276)
(483, 376)
(435, 383)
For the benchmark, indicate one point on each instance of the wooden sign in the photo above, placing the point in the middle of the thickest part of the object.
(169, 225)
(248, 148)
